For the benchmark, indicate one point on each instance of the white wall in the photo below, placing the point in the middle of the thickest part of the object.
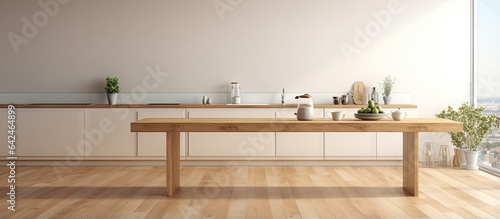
(265, 44)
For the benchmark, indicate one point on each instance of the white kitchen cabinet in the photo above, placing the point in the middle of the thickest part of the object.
(50, 133)
(293, 145)
(104, 134)
(231, 145)
(365, 146)
(350, 145)
(154, 144)
(390, 144)
(107, 134)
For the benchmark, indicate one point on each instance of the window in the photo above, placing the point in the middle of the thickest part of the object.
(487, 75)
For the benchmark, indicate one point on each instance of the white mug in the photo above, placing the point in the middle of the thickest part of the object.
(337, 116)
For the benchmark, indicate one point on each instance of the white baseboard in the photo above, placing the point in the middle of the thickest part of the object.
(210, 163)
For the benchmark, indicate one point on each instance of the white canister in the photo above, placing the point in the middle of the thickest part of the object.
(235, 92)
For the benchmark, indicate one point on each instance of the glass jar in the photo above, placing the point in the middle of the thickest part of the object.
(374, 96)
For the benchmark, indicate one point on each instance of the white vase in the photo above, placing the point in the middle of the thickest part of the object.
(463, 162)
(387, 100)
(472, 158)
(112, 98)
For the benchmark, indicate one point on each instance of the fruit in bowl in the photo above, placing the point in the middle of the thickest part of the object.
(372, 108)
(372, 112)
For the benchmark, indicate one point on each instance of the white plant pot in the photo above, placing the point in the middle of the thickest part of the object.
(112, 97)
(472, 158)
(387, 100)
(463, 161)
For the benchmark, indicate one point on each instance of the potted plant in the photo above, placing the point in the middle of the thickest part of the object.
(386, 86)
(476, 127)
(112, 89)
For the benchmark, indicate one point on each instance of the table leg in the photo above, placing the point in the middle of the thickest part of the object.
(410, 162)
(173, 162)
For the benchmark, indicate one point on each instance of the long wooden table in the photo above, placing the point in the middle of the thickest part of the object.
(409, 127)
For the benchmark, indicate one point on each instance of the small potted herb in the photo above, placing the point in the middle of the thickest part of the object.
(112, 89)
(386, 86)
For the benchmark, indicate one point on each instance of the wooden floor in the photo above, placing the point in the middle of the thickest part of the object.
(250, 192)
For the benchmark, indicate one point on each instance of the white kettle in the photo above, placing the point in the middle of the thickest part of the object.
(398, 115)
(305, 108)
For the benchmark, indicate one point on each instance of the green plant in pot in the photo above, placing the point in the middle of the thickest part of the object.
(387, 84)
(112, 89)
(476, 127)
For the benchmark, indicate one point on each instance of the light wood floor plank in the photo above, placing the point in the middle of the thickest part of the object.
(250, 192)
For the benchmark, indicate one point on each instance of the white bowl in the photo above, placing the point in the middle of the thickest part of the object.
(370, 116)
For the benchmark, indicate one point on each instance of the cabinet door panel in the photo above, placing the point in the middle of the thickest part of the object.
(299, 144)
(389, 146)
(50, 132)
(231, 144)
(154, 144)
(107, 132)
(347, 145)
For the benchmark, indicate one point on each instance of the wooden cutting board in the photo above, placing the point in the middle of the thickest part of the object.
(358, 91)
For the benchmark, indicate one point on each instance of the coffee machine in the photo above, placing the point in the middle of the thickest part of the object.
(305, 108)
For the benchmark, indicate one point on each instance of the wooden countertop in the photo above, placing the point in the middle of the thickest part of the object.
(294, 125)
(195, 106)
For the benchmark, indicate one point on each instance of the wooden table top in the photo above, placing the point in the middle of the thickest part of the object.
(293, 125)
